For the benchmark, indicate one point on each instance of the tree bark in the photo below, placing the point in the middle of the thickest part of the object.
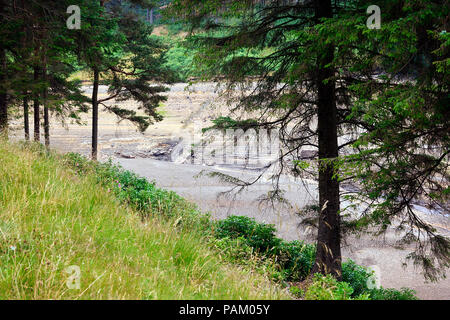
(46, 126)
(36, 110)
(3, 97)
(26, 107)
(26, 120)
(95, 115)
(95, 108)
(46, 115)
(328, 257)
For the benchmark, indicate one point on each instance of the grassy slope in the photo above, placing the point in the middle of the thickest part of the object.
(51, 219)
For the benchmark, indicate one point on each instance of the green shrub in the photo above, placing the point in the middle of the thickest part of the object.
(296, 258)
(357, 276)
(180, 62)
(328, 288)
(296, 291)
(392, 294)
(259, 236)
(176, 27)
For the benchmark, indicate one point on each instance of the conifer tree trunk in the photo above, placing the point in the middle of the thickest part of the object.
(26, 108)
(26, 120)
(95, 107)
(46, 124)
(95, 115)
(36, 110)
(46, 115)
(328, 257)
(3, 97)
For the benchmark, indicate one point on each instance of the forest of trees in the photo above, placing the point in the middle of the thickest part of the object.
(39, 53)
(373, 102)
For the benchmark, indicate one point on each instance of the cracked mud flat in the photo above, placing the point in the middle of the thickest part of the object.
(148, 154)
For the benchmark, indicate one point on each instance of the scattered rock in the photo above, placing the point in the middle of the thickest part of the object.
(308, 154)
(125, 155)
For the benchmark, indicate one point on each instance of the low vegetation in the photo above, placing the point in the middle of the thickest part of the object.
(51, 218)
(132, 240)
(241, 240)
(293, 261)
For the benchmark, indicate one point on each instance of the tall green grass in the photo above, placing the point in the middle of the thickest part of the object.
(51, 218)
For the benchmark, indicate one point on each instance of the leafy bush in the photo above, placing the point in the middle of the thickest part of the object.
(180, 62)
(259, 236)
(296, 259)
(357, 276)
(392, 294)
(328, 288)
(296, 291)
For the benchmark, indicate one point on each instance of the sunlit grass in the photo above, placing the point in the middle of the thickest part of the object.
(51, 219)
